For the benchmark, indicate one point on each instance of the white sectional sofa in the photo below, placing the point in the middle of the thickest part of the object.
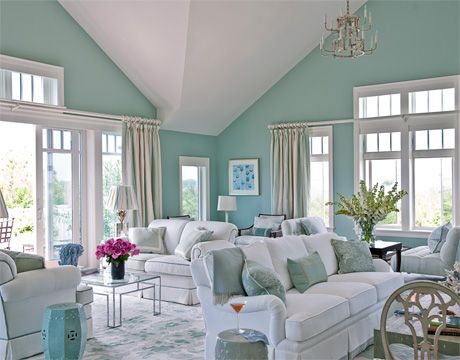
(176, 277)
(23, 299)
(330, 320)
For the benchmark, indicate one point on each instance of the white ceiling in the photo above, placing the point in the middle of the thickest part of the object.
(203, 63)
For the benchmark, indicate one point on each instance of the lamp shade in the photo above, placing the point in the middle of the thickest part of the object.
(121, 197)
(3, 209)
(226, 203)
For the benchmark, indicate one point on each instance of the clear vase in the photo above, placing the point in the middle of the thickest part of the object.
(365, 231)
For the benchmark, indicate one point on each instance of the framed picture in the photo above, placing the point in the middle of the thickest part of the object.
(243, 177)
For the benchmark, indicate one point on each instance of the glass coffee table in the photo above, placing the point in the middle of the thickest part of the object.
(114, 290)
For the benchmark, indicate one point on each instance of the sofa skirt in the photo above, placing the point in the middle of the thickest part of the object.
(176, 295)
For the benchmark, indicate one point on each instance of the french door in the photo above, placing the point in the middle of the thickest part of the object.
(58, 189)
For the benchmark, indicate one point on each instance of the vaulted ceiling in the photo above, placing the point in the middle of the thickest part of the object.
(203, 63)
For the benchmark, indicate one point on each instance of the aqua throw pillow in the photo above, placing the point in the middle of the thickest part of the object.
(438, 237)
(306, 271)
(260, 280)
(25, 262)
(261, 231)
(353, 256)
(313, 225)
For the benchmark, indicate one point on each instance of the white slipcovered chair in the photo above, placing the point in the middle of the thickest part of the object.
(23, 299)
(420, 260)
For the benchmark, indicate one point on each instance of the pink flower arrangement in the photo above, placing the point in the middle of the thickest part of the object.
(116, 250)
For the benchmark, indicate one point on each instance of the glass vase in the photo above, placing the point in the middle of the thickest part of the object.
(365, 231)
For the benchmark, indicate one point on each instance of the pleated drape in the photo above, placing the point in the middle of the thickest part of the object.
(290, 171)
(141, 163)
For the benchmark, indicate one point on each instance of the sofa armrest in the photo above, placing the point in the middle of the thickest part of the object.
(267, 307)
(37, 282)
(8, 269)
(381, 266)
(202, 248)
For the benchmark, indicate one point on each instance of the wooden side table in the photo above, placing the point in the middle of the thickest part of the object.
(380, 248)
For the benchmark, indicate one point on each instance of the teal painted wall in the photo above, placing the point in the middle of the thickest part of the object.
(417, 39)
(175, 144)
(43, 31)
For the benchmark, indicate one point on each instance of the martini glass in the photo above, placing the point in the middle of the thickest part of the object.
(237, 306)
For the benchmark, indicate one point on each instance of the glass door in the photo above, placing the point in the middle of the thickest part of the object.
(58, 189)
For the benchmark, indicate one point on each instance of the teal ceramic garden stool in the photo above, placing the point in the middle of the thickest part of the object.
(64, 332)
(232, 346)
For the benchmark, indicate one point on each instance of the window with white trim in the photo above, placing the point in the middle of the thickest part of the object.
(321, 173)
(30, 81)
(416, 144)
(194, 187)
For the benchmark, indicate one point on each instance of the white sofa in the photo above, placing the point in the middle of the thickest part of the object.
(331, 320)
(176, 278)
(23, 299)
(420, 260)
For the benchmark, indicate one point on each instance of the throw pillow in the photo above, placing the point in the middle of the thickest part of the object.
(186, 243)
(261, 231)
(224, 268)
(437, 237)
(313, 225)
(353, 256)
(267, 223)
(148, 240)
(306, 271)
(260, 280)
(25, 262)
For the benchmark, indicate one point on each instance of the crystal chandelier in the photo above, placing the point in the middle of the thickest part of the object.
(348, 39)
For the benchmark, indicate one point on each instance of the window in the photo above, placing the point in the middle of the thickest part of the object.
(194, 187)
(111, 176)
(414, 145)
(24, 80)
(321, 173)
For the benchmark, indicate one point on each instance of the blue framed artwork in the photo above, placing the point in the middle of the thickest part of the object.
(243, 177)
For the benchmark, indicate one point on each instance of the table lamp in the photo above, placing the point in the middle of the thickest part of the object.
(226, 203)
(121, 198)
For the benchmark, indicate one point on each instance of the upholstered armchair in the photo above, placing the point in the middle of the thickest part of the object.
(24, 297)
(273, 218)
(421, 260)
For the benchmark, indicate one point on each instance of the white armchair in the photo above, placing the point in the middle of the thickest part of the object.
(420, 260)
(24, 297)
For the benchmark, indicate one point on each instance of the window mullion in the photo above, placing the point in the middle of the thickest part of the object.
(405, 178)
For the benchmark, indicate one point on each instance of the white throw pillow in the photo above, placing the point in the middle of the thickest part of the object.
(321, 243)
(258, 252)
(193, 237)
(148, 240)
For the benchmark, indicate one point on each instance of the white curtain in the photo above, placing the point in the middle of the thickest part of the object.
(141, 163)
(290, 169)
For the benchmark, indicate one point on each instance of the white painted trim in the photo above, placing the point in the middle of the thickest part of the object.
(200, 162)
(402, 233)
(35, 68)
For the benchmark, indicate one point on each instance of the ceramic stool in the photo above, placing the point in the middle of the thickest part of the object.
(232, 346)
(64, 331)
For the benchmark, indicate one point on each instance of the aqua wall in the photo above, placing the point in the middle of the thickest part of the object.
(43, 31)
(417, 39)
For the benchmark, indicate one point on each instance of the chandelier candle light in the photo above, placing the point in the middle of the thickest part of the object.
(348, 39)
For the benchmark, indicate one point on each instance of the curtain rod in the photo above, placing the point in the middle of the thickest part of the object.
(295, 125)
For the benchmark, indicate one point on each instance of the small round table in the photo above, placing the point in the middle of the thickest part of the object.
(64, 331)
(232, 346)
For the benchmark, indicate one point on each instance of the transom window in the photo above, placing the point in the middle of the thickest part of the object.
(381, 105)
(432, 100)
(380, 142)
(30, 81)
(434, 139)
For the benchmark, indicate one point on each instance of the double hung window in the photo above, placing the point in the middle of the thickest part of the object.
(411, 139)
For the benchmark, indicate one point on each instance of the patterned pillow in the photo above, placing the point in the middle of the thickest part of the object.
(306, 271)
(260, 280)
(187, 242)
(437, 237)
(148, 240)
(353, 256)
